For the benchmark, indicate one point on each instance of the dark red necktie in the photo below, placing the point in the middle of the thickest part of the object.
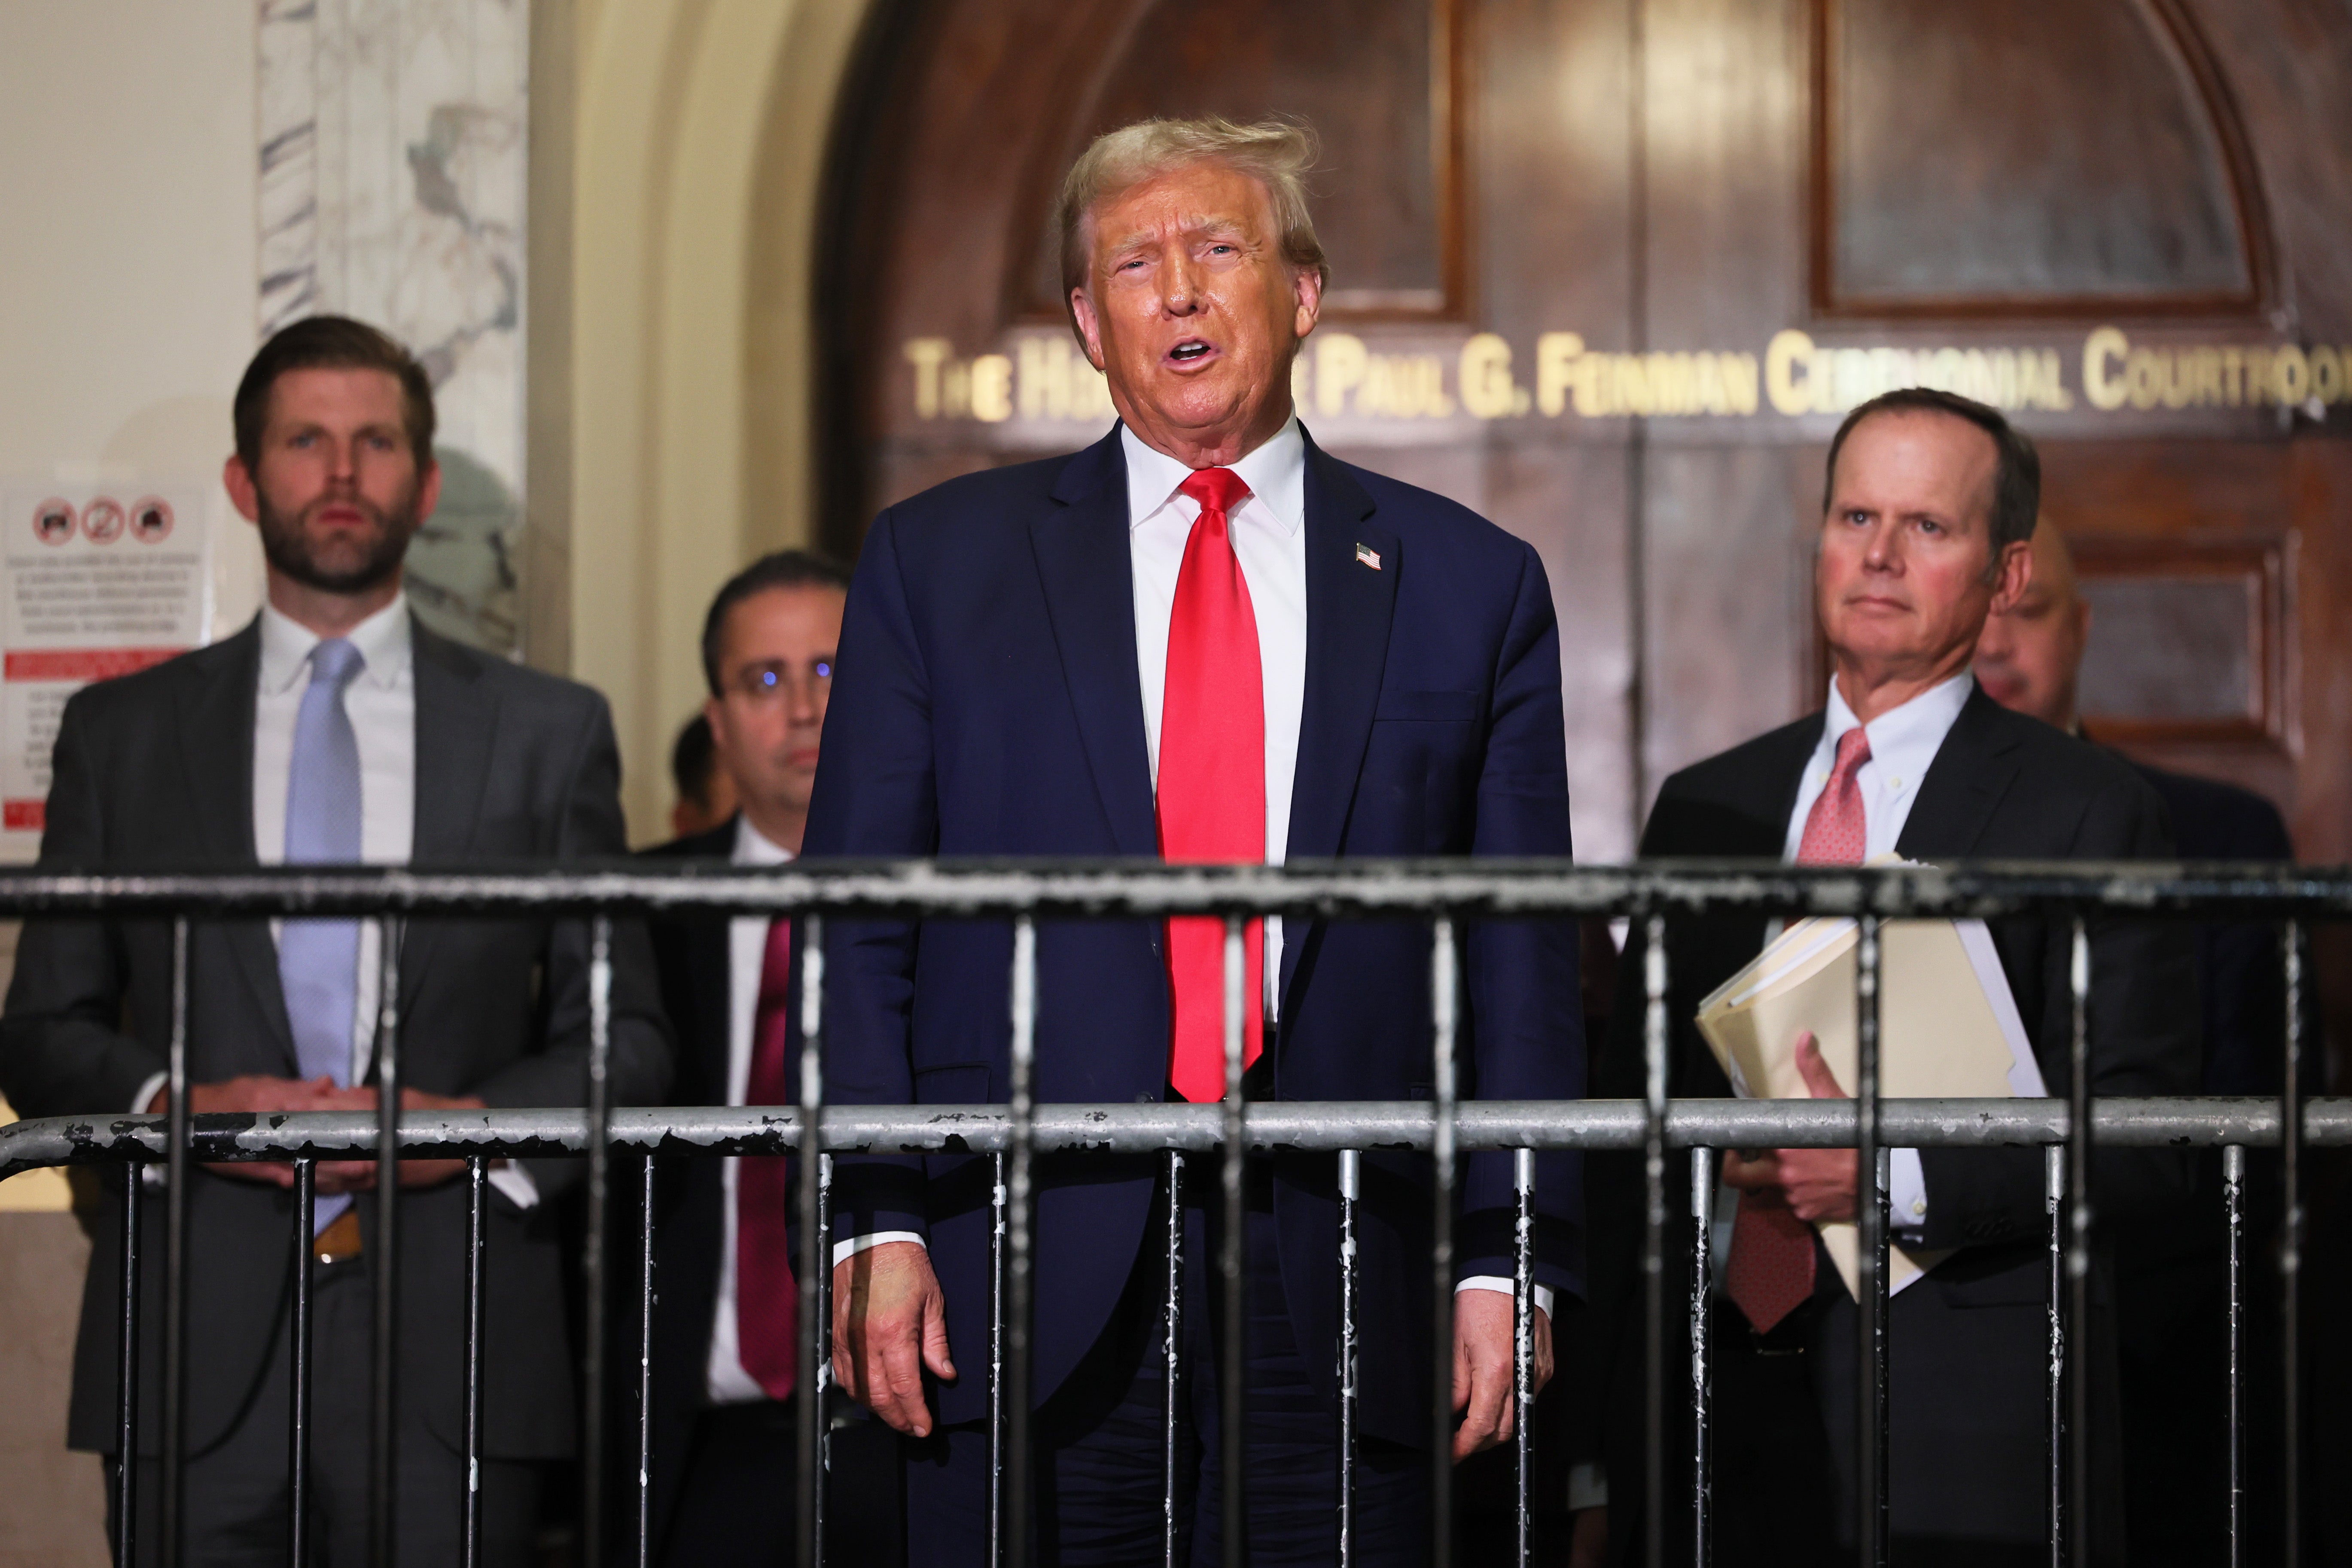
(1771, 1270)
(1211, 782)
(767, 1295)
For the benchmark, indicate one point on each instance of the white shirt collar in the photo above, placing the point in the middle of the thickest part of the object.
(753, 847)
(382, 640)
(1274, 471)
(1902, 741)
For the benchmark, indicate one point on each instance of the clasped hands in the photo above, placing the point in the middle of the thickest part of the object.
(257, 1093)
(889, 1324)
(1817, 1184)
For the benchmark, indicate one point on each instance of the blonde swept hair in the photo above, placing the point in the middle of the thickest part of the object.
(1278, 153)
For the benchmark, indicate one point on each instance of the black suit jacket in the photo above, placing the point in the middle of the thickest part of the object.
(2003, 787)
(2238, 963)
(156, 771)
(691, 956)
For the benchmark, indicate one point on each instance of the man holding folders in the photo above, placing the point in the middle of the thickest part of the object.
(1929, 504)
(1202, 637)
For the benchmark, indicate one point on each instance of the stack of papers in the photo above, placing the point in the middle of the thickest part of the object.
(1947, 1027)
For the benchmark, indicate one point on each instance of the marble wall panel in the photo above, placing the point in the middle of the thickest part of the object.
(392, 162)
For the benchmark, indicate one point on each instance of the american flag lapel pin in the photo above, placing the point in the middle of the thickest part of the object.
(1369, 556)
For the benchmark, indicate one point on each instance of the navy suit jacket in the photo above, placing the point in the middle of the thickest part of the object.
(987, 704)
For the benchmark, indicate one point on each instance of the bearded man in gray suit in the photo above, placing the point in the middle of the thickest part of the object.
(334, 729)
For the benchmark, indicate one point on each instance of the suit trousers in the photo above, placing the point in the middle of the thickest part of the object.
(238, 1494)
(1101, 1440)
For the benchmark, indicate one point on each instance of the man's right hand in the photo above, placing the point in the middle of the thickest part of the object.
(256, 1093)
(890, 1323)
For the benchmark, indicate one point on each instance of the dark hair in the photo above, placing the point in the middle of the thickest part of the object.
(332, 342)
(2016, 476)
(694, 760)
(781, 569)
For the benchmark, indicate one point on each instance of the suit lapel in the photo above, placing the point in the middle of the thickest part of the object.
(216, 722)
(1971, 772)
(457, 720)
(1083, 561)
(1349, 607)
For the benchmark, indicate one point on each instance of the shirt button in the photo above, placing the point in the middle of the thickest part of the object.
(1918, 1207)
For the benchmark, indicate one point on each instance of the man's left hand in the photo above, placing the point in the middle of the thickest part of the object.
(1482, 1392)
(1818, 1184)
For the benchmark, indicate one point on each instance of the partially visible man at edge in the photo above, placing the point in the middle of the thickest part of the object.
(706, 795)
(2173, 1277)
(1204, 638)
(335, 728)
(1928, 506)
(724, 1363)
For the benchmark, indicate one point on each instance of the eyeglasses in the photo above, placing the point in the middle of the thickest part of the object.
(766, 682)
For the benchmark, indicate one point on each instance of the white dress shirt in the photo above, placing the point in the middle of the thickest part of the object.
(747, 957)
(1903, 744)
(1269, 534)
(381, 702)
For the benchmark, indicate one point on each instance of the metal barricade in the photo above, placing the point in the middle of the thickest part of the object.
(1443, 894)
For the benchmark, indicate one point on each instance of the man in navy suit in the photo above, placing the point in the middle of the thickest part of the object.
(1203, 638)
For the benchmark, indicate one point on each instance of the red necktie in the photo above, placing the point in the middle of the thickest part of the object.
(1771, 1270)
(767, 1296)
(1211, 782)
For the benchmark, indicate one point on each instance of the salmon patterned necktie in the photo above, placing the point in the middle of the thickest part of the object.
(1212, 787)
(1771, 1270)
(767, 1295)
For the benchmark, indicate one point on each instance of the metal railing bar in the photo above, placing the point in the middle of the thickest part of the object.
(1445, 1019)
(384, 1265)
(1352, 1183)
(1702, 1389)
(1019, 1251)
(175, 1267)
(1172, 1334)
(478, 1170)
(1337, 890)
(126, 1394)
(298, 1350)
(1523, 1344)
(1654, 1107)
(815, 1264)
(2233, 1204)
(996, 1362)
(822, 1387)
(2079, 1136)
(645, 1476)
(596, 1246)
(1316, 1126)
(1870, 1314)
(1233, 1408)
(2291, 1254)
(2054, 1200)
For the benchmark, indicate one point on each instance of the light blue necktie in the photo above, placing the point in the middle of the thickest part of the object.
(318, 960)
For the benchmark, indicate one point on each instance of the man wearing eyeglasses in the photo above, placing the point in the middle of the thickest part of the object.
(723, 1327)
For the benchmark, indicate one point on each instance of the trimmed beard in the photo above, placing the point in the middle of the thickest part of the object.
(286, 545)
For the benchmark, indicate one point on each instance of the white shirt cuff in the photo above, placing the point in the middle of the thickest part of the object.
(1906, 1190)
(147, 1092)
(843, 1251)
(1588, 1487)
(515, 1182)
(1504, 1284)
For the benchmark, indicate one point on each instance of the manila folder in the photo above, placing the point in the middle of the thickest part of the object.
(1943, 1031)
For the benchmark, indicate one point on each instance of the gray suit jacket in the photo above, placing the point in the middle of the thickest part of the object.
(153, 770)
